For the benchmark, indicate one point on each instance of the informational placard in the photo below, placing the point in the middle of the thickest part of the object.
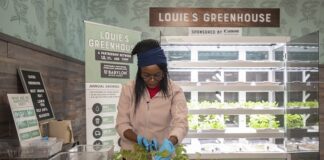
(113, 56)
(102, 99)
(24, 116)
(114, 71)
(33, 83)
(109, 64)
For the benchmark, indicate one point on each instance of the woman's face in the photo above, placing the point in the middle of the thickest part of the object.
(152, 75)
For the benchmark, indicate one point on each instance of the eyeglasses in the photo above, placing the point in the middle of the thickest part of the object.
(157, 76)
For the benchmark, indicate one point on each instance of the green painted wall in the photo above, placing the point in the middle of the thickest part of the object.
(58, 24)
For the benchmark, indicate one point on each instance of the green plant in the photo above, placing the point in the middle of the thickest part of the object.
(294, 121)
(213, 122)
(192, 105)
(204, 122)
(311, 104)
(263, 121)
(232, 104)
(193, 120)
(269, 104)
(248, 104)
(264, 104)
(140, 153)
(295, 104)
(180, 153)
(205, 104)
(217, 104)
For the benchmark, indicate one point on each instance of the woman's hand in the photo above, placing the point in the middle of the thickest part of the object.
(142, 141)
(167, 149)
(154, 145)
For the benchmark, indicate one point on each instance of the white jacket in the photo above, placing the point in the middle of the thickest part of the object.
(158, 117)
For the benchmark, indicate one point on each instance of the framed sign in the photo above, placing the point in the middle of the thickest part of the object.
(33, 83)
(24, 116)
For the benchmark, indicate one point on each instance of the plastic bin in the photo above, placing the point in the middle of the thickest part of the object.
(41, 150)
(92, 148)
(81, 156)
(37, 149)
(107, 150)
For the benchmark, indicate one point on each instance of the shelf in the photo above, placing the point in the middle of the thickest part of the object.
(226, 64)
(246, 86)
(252, 133)
(248, 111)
(281, 73)
(242, 64)
(230, 86)
(302, 64)
(236, 133)
(302, 86)
(302, 111)
(299, 133)
(235, 155)
(237, 111)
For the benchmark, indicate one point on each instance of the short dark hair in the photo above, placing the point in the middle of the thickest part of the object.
(140, 86)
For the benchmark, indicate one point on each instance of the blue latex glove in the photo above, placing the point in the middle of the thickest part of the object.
(160, 158)
(154, 145)
(142, 141)
(168, 146)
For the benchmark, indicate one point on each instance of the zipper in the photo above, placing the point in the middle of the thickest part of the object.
(147, 115)
(146, 119)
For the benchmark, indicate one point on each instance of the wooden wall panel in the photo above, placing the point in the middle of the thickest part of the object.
(35, 58)
(64, 79)
(9, 81)
(321, 111)
(7, 125)
(3, 48)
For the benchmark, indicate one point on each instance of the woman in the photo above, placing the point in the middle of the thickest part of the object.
(152, 110)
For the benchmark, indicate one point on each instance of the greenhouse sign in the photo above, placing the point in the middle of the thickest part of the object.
(215, 17)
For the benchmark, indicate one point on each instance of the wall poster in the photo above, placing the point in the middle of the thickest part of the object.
(24, 116)
(108, 64)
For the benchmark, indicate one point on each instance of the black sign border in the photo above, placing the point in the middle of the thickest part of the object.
(23, 81)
